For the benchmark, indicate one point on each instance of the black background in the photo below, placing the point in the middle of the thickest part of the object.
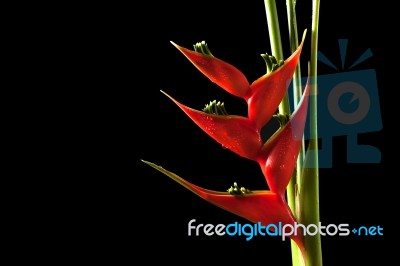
(144, 214)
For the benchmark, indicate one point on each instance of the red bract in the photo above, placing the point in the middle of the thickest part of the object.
(256, 206)
(221, 73)
(278, 156)
(267, 91)
(236, 133)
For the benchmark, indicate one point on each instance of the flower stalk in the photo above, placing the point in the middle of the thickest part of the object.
(309, 192)
(276, 44)
(302, 190)
(295, 182)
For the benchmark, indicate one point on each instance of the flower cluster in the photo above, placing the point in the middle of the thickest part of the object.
(276, 157)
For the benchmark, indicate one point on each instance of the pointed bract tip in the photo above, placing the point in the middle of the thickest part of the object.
(174, 44)
(166, 94)
(304, 34)
(146, 162)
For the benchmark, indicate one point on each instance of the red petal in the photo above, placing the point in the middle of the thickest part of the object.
(279, 154)
(258, 206)
(223, 74)
(236, 133)
(269, 90)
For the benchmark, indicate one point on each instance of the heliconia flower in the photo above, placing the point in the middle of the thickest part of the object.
(261, 206)
(278, 155)
(263, 95)
(237, 133)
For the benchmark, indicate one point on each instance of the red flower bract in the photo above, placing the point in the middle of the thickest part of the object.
(220, 72)
(257, 206)
(278, 156)
(267, 91)
(236, 133)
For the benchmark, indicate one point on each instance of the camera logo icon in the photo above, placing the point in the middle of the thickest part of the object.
(347, 105)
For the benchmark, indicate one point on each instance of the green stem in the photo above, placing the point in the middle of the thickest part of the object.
(294, 44)
(295, 182)
(276, 44)
(291, 195)
(309, 193)
(284, 107)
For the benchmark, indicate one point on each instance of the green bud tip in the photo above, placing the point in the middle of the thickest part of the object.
(236, 191)
(215, 108)
(283, 119)
(271, 62)
(202, 47)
